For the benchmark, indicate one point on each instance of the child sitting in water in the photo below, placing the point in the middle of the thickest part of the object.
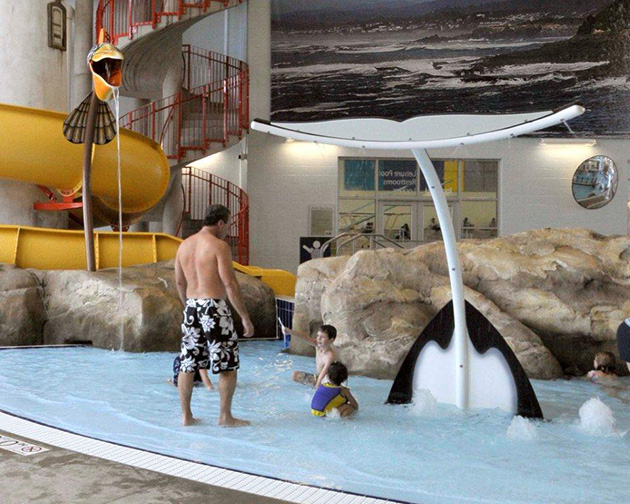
(325, 354)
(332, 394)
(201, 375)
(604, 366)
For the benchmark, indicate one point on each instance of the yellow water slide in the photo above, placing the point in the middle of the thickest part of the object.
(33, 149)
(53, 249)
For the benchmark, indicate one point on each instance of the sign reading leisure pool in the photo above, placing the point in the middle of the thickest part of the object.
(397, 175)
(20, 447)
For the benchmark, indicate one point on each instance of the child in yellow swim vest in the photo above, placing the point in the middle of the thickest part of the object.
(332, 394)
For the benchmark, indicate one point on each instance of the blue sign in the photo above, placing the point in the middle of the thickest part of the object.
(397, 175)
(358, 174)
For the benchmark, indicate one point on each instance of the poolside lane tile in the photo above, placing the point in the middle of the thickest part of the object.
(237, 480)
(307, 496)
(287, 492)
(323, 497)
(254, 484)
(274, 489)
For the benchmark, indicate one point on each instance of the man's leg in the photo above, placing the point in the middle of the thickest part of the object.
(185, 387)
(227, 385)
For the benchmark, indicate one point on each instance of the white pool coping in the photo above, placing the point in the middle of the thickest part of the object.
(180, 468)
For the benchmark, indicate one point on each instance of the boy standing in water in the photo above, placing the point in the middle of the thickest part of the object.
(325, 354)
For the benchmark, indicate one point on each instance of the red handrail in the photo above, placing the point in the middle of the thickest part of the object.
(212, 106)
(121, 18)
(202, 189)
(202, 113)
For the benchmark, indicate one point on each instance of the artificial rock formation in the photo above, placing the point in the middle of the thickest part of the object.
(22, 313)
(557, 297)
(54, 307)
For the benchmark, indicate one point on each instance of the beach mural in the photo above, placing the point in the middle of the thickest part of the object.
(401, 58)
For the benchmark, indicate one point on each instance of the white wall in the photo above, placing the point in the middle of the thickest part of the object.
(534, 188)
(209, 33)
(34, 75)
(230, 164)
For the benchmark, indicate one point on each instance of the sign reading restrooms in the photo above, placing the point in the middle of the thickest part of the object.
(398, 59)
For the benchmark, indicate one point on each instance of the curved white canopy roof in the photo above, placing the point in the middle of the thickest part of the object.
(420, 132)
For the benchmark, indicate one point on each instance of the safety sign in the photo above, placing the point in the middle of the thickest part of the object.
(20, 447)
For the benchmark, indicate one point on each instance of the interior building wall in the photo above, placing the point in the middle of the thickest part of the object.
(534, 188)
(211, 34)
(34, 75)
(284, 179)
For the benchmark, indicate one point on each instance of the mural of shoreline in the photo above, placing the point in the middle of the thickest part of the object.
(481, 57)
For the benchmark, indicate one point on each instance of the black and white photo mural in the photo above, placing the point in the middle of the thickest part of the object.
(397, 59)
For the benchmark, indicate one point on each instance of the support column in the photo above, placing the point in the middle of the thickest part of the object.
(455, 274)
(83, 41)
(174, 205)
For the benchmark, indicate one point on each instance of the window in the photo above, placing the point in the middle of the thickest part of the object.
(390, 197)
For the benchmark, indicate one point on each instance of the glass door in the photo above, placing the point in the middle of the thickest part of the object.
(429, 226)
(396, 220)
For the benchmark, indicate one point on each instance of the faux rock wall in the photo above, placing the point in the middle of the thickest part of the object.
(557, 296)
(55, 307)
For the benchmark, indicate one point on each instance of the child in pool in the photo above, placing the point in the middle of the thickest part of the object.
(201, 375)
(604, 366)
(325, 354)
(332, 394)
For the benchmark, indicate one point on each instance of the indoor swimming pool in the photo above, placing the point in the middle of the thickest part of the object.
(425, 453)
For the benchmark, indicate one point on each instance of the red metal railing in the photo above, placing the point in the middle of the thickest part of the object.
(212, 106)
(121, 18)
(202, 189)
(194, 118)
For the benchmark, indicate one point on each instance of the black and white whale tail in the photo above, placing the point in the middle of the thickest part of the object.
(496, 378)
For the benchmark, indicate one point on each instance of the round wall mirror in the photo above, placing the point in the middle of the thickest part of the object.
(595, 182)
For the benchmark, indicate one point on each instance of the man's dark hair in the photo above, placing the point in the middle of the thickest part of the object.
(337, 373)
(216, 213)
(329, 330)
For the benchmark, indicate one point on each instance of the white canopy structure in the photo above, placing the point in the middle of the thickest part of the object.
(456, 374)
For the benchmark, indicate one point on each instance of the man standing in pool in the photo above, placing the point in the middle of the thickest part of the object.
(204, 276)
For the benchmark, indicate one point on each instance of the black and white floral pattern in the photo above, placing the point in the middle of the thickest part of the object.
(209, 340)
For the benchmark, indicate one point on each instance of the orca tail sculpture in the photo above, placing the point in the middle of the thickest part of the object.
(496, 379)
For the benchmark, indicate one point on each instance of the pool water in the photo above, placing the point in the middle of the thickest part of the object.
(425, 453)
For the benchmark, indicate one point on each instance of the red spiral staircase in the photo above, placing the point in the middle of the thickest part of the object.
(208, 114)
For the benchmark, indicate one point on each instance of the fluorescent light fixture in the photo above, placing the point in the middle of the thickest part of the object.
(289, 140)
(587, 142)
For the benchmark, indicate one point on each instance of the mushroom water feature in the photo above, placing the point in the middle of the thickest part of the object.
(488, 375)
(93, 122)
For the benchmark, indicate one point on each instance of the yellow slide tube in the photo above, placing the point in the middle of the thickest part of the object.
(55, 249)
(33, 149)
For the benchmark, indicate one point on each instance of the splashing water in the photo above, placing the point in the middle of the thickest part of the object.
(121, 328)
(522, 429)
(596, 418)
(424, 403)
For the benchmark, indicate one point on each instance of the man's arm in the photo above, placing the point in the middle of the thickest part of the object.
(232, 287)
(305, 337)
(180, 279)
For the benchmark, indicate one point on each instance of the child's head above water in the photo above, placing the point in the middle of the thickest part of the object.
(605, 362)
(327, 332)
(337, 373)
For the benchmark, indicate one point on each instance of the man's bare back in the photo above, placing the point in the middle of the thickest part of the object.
(198, 257)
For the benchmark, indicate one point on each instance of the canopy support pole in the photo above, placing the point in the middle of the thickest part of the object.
(455, 275)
